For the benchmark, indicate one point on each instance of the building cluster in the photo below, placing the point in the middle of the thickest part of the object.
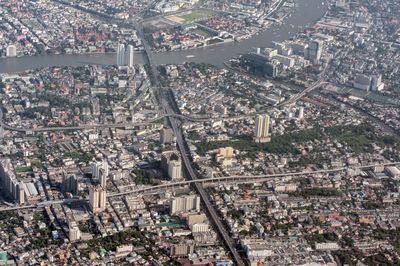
(173, 5)
(282, 58)
(112, 9)
(200, 28)
(91, 172)
(287, 221)
(125, 57)
(65, 97)
(28, 28)
(196, 94)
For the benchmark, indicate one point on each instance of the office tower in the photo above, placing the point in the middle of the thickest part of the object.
(262, 129)
(175, 170)
(11, 51)
(314, 51)
(120, 54)
(69, 183)
(166, 135)
(130, 55)
(97, 198)
(184, 204)
(100, 172)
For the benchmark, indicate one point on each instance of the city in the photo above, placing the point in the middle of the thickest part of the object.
(282, 149)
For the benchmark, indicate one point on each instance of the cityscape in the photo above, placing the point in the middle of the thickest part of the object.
(201, 132)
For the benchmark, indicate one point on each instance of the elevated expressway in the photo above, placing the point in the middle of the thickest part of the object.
(234, 179)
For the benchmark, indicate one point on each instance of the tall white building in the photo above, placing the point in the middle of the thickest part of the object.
(74, 232)
(301, 113)
(262, 129)
(100, 171)
(184, 204)
(175, 170)
(97, 198)
(11, 51)
(120, 54)
(130, 54)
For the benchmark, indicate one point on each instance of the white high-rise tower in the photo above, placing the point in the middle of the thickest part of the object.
(130, 53)
(120, 54)
(262, 129)
(100, 172)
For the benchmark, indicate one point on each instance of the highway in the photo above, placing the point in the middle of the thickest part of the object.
(166, 103)
(234, 179)
(240, 179)
(298, 96)
(92, 126)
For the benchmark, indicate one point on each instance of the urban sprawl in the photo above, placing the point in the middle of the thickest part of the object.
(288, 155)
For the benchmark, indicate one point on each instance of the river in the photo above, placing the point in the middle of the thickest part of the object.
(305, 13)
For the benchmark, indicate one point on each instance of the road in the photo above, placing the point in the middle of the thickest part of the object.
(298, 96)
(167, 107)
(92, 126)
(240, 179)
(235, 179)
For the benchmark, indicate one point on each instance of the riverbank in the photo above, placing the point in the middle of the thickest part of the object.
(306, 12)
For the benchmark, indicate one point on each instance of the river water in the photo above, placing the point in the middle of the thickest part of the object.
(305, 13)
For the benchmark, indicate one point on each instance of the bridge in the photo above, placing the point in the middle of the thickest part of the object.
(242, 179)
(234, 179)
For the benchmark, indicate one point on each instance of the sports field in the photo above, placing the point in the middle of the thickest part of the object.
(192, 16)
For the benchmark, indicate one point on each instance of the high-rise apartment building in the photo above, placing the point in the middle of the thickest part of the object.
(130, 54)
(97, 198)
(69, 183)
(166, 157)
(120, 54)
(100, 172)
(185, 204)
(262, 129)
(175, 169)
(74, 232)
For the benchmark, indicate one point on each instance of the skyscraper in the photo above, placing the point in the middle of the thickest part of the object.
(120, 54)
(69, 183)
(130, 54)
(100, 172)
(20, 193)
(175, 169)
(262, 129)
(97, 198)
